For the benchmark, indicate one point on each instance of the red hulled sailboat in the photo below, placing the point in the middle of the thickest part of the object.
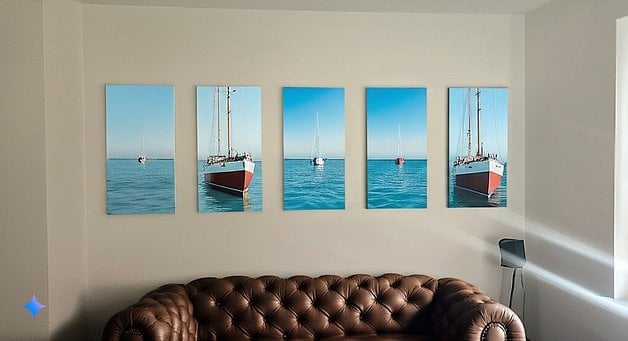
(399, 160)
(477, 172)
(231, 173)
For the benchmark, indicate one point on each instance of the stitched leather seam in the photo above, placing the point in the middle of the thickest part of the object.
(491, 325)
(133, 331)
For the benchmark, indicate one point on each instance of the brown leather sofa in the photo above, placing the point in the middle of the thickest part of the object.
(360, 307)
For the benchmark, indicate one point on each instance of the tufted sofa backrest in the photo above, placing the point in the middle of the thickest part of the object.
(245, 308)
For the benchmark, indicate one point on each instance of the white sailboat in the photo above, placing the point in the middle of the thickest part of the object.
(141, 157)
(317, 159)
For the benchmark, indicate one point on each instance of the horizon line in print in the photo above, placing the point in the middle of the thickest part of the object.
(140, 149)
(478, 147)
(396, 147)
(313, 148)
(229, 151)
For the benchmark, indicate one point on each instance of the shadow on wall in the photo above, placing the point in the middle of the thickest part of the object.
(106, 301)
(75, 328)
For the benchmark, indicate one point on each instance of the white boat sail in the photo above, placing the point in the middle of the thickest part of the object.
(317, 159)
(231, 172)
(477, 172)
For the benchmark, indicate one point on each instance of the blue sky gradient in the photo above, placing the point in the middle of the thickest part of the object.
(494, 122)
(300, 107)
(246, 124)
(140, 114)
(389, 110)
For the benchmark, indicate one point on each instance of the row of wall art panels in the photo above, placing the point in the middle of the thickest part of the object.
(140, 148)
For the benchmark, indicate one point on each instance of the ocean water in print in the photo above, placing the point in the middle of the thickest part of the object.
(309, 187)
(459, 197)
(134, 188)
(211, 200)
(397, 186)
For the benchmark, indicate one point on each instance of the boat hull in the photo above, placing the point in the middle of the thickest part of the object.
(233, 177)
(318, 161)
(481, 177)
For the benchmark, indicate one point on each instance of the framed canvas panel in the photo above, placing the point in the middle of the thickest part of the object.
(229, 125)
(396, 147)
(140, 149)
(478, 147)
(314, 148)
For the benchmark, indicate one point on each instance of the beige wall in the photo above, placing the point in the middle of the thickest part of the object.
(128, 255)
(570, 116)
(56, 206)
(23, 235)
(65, 170)
(55, 236)
(621, 161)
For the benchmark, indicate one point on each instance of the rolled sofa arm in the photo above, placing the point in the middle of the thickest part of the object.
(164, 314)
(463, 312)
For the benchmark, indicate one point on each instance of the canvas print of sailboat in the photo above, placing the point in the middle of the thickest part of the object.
(229, 148)
(140, 149)
(396, 147)
(478, 147)
(314, 148)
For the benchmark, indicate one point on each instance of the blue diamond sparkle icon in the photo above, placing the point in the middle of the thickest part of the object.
(33, 306)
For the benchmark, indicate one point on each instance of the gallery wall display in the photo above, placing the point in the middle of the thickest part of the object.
(140, 149)
(314, 148)
(229, 148)
(396, 147)
(478, 147)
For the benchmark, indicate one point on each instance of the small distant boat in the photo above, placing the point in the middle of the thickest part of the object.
(142, 157)
(399, 160)
(231, 173)
(317, 159)
(478, 173)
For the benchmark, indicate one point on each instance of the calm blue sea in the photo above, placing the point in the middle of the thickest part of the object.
(462, 198)
(396, 186)
(133, 188)
(308, 187)
(211, 200)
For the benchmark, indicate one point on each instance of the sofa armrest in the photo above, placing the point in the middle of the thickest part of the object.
(163, 314)
(462, 312)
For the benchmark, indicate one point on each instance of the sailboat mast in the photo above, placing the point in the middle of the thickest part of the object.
(318, 141)
(142, 139)
(217, 113)
(229, 122)
(477, 94)
(468, 110)
(399, 140)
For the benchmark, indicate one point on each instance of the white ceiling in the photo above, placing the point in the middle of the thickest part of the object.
(395, 6)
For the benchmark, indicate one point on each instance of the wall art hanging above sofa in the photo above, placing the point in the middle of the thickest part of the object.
(478, 147)
(396, 147)
(314, 148)
(229, 125)
(140, 149)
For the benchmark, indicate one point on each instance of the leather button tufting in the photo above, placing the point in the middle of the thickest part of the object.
(302, 308)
